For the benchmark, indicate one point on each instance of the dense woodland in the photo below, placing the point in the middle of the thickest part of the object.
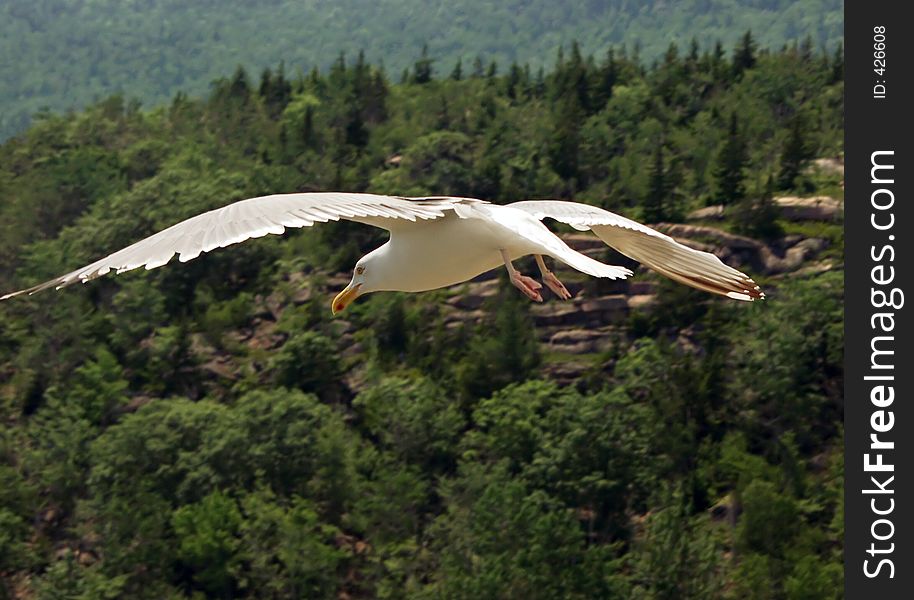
(65, 54)
(383, 454)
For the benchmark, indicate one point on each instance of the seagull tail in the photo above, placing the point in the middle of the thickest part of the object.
(592, 267)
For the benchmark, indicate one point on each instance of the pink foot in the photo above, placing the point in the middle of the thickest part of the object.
(556, 286)
(530, 287)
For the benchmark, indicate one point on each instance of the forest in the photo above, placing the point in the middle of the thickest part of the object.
(208, 430)
(66, 54)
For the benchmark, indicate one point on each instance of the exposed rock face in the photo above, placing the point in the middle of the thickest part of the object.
(740, 251)
(582, 330)
(832, 166)
(579, 341)
(708, 213)
(793, 208)
(818, 208)
(476, 293)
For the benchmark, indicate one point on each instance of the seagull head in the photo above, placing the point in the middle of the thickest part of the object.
(365, 279)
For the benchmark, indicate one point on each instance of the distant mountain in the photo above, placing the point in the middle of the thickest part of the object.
(61, 54)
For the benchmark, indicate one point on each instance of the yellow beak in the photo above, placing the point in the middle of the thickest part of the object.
(345, 298)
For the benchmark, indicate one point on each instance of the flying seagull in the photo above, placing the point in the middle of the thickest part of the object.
(434, 242)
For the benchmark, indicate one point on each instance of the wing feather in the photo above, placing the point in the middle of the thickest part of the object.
(252, 218)
(656, 250)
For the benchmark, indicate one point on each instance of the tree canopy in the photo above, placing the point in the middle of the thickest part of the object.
(207, 430)
(66, 54)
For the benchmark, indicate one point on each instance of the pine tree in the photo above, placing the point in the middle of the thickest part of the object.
(240, 87)
(795, 155)
(744, 56)
(731, 165)
(566, 138)
(422, 70)
(607, 79)
(307, 130)
(577, 78)
(539, 84)
(656, 201)
(356, 131)
(457, 73)
(266, 81)
(337, 76)
(376, 101)
(806, 49)
(478, 68)
(275, 90)
(514, 79)
(692, 58)
(758, 217)
(443, 117)
(837, 65)
(527, 79)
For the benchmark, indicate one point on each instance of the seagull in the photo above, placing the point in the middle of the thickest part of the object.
(435, 242)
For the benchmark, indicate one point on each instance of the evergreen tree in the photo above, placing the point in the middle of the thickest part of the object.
(514, 79)
(457, 73)
(608, 76)
(356, 129)
(758, 217)
(375, 104)
(566, 138)
(795, 155)
(837, 65)
(731, 165)
(656, 203)
(744, 56)
(806, 49)
(337, 79)
(478, 68)
(307, 130)
(266, 80)
(422, 70)
(692, 58)
(443, 117)
(240, 87)
(275, 90)
(539, 84)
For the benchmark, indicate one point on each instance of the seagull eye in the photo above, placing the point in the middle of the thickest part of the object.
(359, 270)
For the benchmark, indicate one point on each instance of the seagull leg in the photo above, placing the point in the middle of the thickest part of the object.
(551, 280)
(530, 287)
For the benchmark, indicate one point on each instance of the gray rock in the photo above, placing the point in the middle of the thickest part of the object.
(818, 208)
(708, 213)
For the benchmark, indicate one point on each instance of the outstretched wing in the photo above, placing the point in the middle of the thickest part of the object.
(660, 252)
(255, 217)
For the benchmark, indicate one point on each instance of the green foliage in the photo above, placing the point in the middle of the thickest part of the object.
(285, 548)
(502, 351)
(206, 430)
(208, 541)
(308, 362)
(765, 525)
(758, 217)
(795, 154)
(677, 558)
(414, 419)
(499, 540)
(732, 162)
(156, 48)
(66, 579)
(435, 164)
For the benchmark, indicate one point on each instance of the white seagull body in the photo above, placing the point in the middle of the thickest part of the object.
(434, 242)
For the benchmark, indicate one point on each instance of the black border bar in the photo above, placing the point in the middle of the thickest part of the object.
(879, 225)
